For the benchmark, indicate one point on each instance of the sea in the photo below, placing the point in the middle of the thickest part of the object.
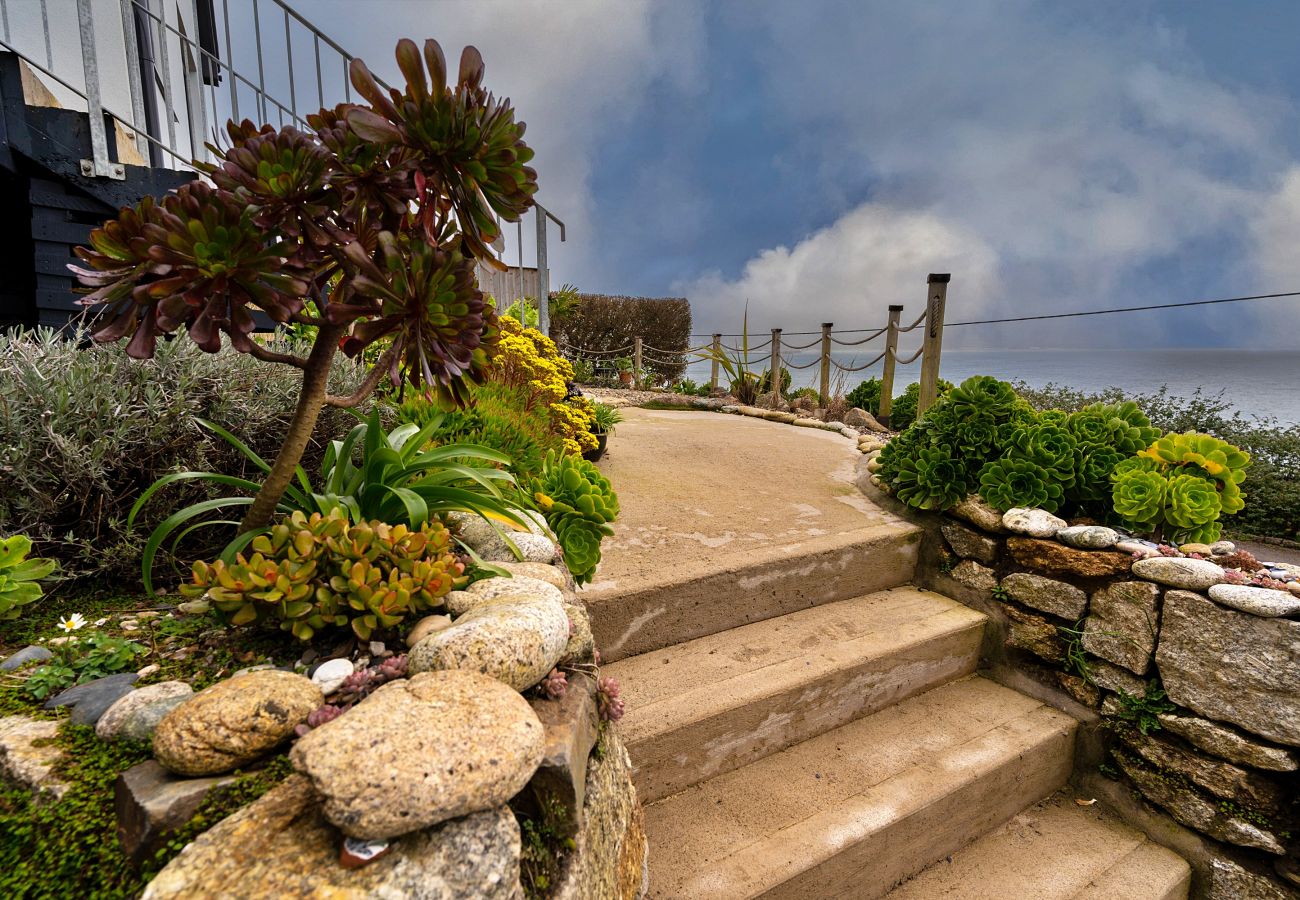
(1261, 384)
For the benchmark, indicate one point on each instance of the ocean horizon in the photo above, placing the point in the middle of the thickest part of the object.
(1259, 383)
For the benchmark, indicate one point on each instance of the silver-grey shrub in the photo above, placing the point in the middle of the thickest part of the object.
(85, 429)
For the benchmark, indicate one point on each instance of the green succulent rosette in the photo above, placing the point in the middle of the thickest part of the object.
(1050, 446)
(576, 483)
(580, 537)
(1093, 468)
(579, 504)
(1215, 458)
(1010, 482)
(897, 454)
(1192, 501)
(983, 395)
(1130, 429)
(932, 478)
(1138, 493)
(976, 435)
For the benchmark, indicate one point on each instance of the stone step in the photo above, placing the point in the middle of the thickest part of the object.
(1056, 850)
(719, 702)
(667, 605)
(853, 812)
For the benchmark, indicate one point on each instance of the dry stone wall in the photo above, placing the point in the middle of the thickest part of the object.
(1194, 681)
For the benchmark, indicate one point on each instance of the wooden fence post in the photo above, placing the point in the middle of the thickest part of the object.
(774, 370)
(824, 395)
(936, 296)
(887, 377)
(636, 363)
(717, 352)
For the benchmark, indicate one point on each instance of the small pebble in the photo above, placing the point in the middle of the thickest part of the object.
(330, 674)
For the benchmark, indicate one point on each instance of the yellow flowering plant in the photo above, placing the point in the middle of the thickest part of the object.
(530, 362)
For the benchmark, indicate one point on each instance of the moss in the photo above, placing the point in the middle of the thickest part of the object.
(68, 848)
(218, 804)
(544, 843)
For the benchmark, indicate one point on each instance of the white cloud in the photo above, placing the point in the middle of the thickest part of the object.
(1055, 161)
(848, 273)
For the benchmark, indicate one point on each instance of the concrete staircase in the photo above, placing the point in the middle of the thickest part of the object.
(813, 727)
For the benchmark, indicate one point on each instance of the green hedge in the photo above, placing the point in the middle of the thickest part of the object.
(603, 323)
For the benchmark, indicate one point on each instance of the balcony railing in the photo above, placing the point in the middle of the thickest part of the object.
(169, 73)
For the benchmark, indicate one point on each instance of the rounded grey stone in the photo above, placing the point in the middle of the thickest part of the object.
(1188, 574)
(453, 743)
(136, 715)
(1088, 537)
(1037, 523)
(1256, 600)
(516, 638)
(33, 654)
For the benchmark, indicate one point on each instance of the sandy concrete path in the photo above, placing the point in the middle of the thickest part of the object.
(703, 491)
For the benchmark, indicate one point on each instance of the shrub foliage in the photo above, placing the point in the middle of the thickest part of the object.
(603, 323)
(1104, 460)
(85, 430)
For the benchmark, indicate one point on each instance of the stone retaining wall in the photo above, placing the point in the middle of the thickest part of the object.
(491, 746)
(1188, 685)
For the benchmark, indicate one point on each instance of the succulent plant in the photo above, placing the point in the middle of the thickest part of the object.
(982, 394)
(1201, 477)
(19, 576)
(577, 484)
(1049, 445)
(283, 176)
(1093, 467)
(196, 260)
(932, 478)
(319, 571)
(1121, 425)
(440, 325)
(469, 146)
(1192, 502)
(376, 217)
(976, 435)
(609, 700)
(1139, 495)
(1011, 482)
(554, 685)
(318, 717)
(1207, 457)
(579, 504)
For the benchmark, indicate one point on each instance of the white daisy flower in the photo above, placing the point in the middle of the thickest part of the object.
(72, 623)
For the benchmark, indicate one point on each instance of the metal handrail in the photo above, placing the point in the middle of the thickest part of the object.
(190, 97)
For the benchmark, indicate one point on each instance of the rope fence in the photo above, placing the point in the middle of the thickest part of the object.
(736, 360)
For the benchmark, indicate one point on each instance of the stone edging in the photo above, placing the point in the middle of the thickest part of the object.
(1093, 621)
(867, 442)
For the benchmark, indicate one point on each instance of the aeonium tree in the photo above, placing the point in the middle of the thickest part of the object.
(376, 217)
